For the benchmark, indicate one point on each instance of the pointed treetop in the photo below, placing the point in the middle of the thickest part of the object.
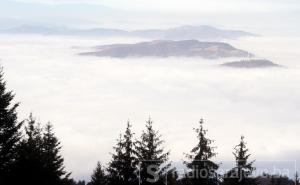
(98, 177)
(297, 181)
(242, 157)
(10, 134)
(201, 121)
(149, 122)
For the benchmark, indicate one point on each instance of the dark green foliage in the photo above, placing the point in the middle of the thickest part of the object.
(98, 176)
(53, 161)
(267, 179)
(69, 181)
(9, 131)
(171, 177)
(79, 183)
(152, 156)
(202, 168)
(39, 161)
(29, 165)
(241, 174)
(297, 181)
(122, 168)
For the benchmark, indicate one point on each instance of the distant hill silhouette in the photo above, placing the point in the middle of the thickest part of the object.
(193, 32)
(178, 33)
(254, 63)
(168, 48)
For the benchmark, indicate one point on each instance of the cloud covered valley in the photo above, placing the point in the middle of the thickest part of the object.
(88, 99)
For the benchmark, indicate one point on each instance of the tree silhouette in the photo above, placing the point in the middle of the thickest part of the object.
(297, 181)
(98, 176)
(53, 161)
(80, 182)
(202, 168)
(9, 131)
(171, 177)
(122, 168)
(151, 156)
(29, 166)
(241, 174)
(38, 161)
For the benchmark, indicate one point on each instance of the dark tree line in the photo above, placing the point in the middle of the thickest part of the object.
(132, 161)
(30, 155)
(29, 152)
(145, 161)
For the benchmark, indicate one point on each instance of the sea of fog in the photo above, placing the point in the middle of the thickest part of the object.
(90, 99)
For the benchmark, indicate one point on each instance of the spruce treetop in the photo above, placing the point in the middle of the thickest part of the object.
(10, 135)
(241, 155)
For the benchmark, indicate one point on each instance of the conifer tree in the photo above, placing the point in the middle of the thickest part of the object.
(53, 162)
(202, 168)
(29, 166)
(98, 176)
(171, 177)
(297, 181)
(152, 156)
(38, 161)
(241, 173)
(80, 182)
(9, 131)
(114, 173)
(122, 168)
(272, 180)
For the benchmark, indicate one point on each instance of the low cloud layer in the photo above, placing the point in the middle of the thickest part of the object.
(89, 99)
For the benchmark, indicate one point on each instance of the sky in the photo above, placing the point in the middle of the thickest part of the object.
(277, 16)
(184, 6)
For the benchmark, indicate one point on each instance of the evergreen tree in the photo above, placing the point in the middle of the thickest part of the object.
(29, 166)
(151, 156)
(9, 131)
(297, 181)
(53, 162)
(39, 161)
(98, 176)
(241, 174)
(171, 177)
(81, 182)
(122, 168)
(114, 173)
(202, 168)
(272, 180)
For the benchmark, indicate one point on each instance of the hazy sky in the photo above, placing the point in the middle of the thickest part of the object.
(263, 16)
(186, 6)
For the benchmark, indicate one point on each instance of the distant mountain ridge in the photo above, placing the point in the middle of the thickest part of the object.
(203, 32)
(253, 63)
(169, 48)
(177, 33)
